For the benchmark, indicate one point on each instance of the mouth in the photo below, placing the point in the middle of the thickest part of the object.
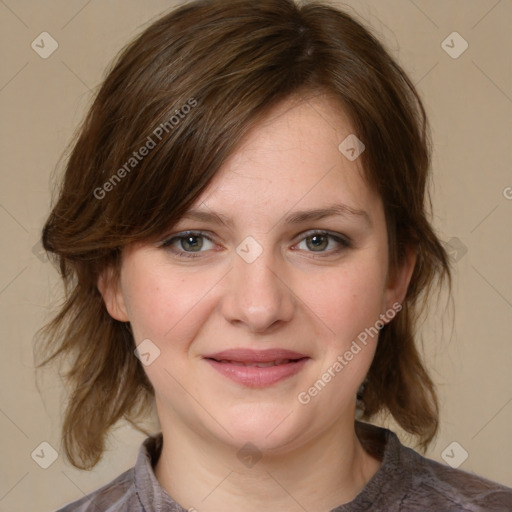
(257, 368)
(259, 365)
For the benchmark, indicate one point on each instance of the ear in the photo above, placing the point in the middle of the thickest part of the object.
(398, 281)
(110, 290)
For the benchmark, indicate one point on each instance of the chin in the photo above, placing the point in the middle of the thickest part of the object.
(269, 427)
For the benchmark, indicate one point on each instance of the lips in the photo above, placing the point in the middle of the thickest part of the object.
(259, 365)
(250, 356)
(257, 368)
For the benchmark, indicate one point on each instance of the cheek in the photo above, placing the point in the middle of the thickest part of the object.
(164, 306)
(169, 310)
(347, 300)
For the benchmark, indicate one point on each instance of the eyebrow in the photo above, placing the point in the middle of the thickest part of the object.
(296, 217)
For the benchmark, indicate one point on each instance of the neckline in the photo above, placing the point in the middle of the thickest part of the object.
(389, 480)
(379, 442)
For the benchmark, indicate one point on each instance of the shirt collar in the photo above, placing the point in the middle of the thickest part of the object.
(151, 494)
(379, 442)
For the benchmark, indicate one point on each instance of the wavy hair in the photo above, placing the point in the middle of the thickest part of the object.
(230, 62)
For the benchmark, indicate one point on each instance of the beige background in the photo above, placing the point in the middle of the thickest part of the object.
(469, 100)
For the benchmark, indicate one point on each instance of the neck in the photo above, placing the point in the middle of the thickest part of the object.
(201, 474)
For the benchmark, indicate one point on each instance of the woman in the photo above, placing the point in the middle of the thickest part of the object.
(243, 232)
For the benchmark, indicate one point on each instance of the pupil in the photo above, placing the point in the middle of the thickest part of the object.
(318, 241)
(192, 242)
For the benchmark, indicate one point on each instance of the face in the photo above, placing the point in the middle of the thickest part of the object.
(264, 301)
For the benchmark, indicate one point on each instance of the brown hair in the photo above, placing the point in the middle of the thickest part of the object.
(193, 83)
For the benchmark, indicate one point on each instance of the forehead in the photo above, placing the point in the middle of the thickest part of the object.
(290, 160)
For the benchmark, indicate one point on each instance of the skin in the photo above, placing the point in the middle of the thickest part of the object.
(295, 295)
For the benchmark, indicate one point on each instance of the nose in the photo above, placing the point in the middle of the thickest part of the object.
(257, 295)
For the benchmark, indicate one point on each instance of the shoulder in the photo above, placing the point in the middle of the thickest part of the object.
(455, 489)
(408, 481)
(118, 495)
(135, 490)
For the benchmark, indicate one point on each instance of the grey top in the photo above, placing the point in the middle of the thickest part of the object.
(405, 481)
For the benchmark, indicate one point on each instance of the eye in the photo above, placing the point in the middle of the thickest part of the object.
(320, 241)
(187, 243)
(190, 244)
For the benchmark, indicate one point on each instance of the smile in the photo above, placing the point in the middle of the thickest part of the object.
(257, 369)
(259, 365)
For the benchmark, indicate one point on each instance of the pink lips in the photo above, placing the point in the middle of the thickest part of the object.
(257, 368)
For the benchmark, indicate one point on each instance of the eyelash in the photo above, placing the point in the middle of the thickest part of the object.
(344, 241)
